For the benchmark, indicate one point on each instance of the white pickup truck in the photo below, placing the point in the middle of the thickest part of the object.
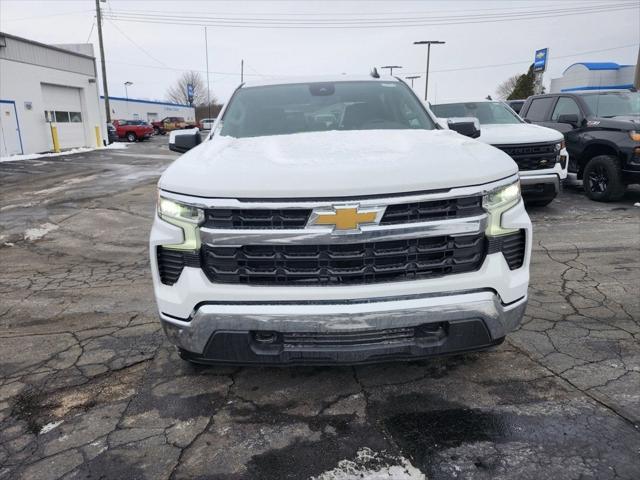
(539, 151)
(333, 220)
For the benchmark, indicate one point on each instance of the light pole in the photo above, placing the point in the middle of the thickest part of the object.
(412, 78)
(107, 107)
(428, 43)
(390, 68)
(126, 93)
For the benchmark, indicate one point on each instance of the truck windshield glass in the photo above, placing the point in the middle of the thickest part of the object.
(613, 104)
(485, 112)
(315, 107)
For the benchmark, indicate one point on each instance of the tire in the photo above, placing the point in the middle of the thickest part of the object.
(602, 179)
(156, 131)
(131, 137)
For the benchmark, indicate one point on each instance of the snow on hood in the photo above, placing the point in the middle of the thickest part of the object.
(335, 164)
(512, 133)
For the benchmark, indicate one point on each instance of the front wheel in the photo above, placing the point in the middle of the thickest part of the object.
(156, 131)
(131, 137)
(602, 179)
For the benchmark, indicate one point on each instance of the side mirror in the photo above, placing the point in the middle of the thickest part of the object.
(570, 118)
(184, 140)
(467, 126)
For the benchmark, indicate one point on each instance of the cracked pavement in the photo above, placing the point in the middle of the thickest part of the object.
(89, 387)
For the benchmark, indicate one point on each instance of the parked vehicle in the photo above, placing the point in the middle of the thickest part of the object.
(539, 152)
(207, 123)
(516, 105)
(602, 131)
(112, 134)
(133, 130)
(168, 124)
(335, 222)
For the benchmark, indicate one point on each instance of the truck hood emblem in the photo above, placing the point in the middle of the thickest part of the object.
(345, 218)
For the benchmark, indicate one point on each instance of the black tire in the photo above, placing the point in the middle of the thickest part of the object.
(156, 131)
(131, 137)
(602, 179)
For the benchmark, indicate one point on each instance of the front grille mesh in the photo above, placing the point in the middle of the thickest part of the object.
(432, 210)
(295, 218)
(512, 246)
(346, 263)
(534, 156)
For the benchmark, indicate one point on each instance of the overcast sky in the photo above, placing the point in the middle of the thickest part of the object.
(152, 55)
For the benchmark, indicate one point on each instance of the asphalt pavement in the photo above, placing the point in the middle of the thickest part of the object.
(90, 388)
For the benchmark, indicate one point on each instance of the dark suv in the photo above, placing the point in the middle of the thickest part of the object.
(602, 134)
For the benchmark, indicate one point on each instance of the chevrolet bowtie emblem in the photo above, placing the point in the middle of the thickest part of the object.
(345, 218)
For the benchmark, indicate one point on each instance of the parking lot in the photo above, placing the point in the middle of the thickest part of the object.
(91, 388)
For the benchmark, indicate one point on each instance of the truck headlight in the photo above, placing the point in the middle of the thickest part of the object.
(186, 217)
(170, 209)
(635, 136)
(498, 201)
(560, 146)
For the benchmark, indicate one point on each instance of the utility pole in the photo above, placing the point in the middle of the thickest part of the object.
(428, 43)
(104, 63)
(412, 78)
(126, 93)
(390, 68)
(206, 49)
(636, 80)
(242, 71)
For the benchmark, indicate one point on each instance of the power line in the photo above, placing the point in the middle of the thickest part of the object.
(177, 19)
(135, 43)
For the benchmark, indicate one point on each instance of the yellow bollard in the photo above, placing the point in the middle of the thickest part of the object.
(54, 135)
(98, 137)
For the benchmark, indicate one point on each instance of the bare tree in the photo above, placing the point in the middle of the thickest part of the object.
(177, 93)
(506, 88)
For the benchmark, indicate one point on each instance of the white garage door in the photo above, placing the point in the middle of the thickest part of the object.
(64, 107)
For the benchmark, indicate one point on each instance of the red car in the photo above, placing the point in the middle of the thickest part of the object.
(133, 130)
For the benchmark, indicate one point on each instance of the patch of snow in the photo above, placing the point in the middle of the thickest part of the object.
(32, 234)
(637, 204)
(117, 146)
(66, 183)
(370, 465)
(50, 426)
(34, 156)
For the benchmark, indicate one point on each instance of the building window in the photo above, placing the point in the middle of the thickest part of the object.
(61, 117)
(75, 117)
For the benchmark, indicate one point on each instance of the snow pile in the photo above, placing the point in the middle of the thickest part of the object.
(370, 465)
(35, 156)
(32, 234)
(50, 426)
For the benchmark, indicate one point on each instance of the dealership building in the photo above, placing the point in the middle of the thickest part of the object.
(594, 76)
(147, 110)
(43, 85)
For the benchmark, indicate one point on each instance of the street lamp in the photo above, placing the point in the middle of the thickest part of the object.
(126, 92)
(412, 78)
(428, 43)
(390, 68)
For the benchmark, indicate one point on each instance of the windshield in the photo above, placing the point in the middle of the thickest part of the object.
(613, 104)
(485, 112)
(315, 107)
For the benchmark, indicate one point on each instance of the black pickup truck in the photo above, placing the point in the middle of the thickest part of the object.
(602, 134)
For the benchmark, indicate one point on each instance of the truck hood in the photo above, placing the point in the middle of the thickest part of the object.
(621, 122)
(514, 133)
(335, 164)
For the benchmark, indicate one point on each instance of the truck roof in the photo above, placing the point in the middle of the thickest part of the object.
(317, 79)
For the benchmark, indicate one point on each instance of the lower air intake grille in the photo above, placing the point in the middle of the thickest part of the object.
(171, 263)
(345, 263)
(512, 247)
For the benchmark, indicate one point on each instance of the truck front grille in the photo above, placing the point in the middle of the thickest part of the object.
(532, 156)
(296, 218)
(344, 263)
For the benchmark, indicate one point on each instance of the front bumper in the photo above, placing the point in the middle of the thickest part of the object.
(540, 186)
(359, 331)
